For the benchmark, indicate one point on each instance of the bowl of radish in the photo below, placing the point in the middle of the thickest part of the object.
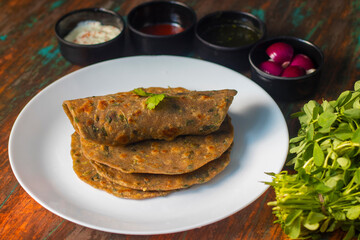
(288, 68)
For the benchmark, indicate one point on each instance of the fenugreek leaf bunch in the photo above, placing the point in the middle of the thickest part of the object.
(323, 194)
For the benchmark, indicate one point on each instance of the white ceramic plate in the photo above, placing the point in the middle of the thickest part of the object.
(39, 148)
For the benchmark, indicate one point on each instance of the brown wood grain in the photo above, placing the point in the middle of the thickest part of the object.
(30, 60)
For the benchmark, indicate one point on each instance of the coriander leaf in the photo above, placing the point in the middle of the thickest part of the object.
(141, 92)
(154, 100)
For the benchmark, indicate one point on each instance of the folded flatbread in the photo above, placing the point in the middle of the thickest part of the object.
(183, 154)
(87, 173)
(161, 182)
(123, 118)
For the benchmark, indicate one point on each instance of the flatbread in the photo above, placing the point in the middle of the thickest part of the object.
(183, 154)
(162, 182)
(87, 173)
(123, 118)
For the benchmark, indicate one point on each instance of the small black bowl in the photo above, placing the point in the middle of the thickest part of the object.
(225, 24)
(81, 54)
(284, 88)
(161, 12)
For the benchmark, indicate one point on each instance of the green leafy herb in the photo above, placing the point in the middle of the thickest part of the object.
(324, 192)
(141, 92)
(153, 99)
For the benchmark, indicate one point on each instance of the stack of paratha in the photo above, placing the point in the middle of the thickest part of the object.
(128, 150)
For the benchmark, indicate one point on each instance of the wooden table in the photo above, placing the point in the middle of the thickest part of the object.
(30, 60)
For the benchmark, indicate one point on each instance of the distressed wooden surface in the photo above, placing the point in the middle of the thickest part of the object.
(30, 60)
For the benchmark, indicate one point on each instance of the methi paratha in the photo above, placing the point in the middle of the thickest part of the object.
(87, 173)
(183, 154)
(122, 118)
(162, 182)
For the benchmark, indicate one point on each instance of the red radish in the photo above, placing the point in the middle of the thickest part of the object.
(293, 71)
(281, 53)
(271, 67)
(301, 60)
(311, 70)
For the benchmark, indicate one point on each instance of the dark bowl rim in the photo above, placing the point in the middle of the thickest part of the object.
(97, 45)
(270, 77)
(262, 29)
(138, 32)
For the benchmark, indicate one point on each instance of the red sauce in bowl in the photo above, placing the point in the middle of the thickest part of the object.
(162, 29)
